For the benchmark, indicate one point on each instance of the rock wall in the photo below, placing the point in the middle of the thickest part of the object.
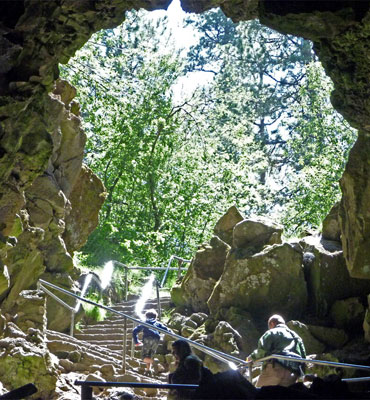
(261, 275)
(237, 287)
(49, 201)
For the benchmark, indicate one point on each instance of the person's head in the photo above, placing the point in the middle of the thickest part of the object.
(181, 349)
(151, 314)
(275, 320)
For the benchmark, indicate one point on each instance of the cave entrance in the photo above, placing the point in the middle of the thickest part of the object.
(180, 130)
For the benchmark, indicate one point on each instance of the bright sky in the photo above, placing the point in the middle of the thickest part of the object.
(184, 38)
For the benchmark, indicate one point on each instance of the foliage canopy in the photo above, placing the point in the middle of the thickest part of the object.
(261, 134)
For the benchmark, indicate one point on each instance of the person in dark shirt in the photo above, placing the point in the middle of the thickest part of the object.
(189, 370)
(150, 338)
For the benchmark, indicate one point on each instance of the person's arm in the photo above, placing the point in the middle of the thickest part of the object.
(263, 348)
(302, 348)
(162, 326)
(135, 332)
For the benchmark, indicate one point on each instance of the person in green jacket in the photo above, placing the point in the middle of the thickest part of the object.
(279, 339)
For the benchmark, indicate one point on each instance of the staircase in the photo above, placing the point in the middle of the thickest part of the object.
(98, 348)
(110, 332)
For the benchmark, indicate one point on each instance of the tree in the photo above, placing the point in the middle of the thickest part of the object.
(317, 151)
(124, 84)
(267, 85)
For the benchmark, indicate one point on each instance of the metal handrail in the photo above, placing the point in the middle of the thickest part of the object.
(308, 360)
(360, 379)
(74, 310)
(181, 261)
(60, 301)
(166, 269)
(208, 350)
(86, 391)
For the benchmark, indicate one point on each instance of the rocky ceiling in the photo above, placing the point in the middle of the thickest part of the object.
(49, 201)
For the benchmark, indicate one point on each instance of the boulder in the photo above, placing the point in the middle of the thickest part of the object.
(46, 202)
(25, 263)
(68, 138)
(333, 337)
(22, 362)
(331, 226)
(268, 282)
(198, 318)
(226, 338)
(200, 279)
(323, 266)
(225, 225)
(87, 197)
(322, 370)
(193, 292)
(243, 323)
(348, 314)
(187, 331)
(312, 345)
(209, 260)
(176, 322)
(255, 233)
(29, 310)
(354, 209)
(199, 335)
(96, 377)
(191, 324)
(356, 351)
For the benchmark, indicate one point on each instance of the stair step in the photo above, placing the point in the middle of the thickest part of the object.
(111, 321)
(99, 337)
(101, 343)
(118, 329)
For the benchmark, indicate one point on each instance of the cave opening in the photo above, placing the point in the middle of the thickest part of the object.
(254, 128)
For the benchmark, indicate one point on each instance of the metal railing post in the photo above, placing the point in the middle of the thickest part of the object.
(132, 348)
(71, 331)
(250, 377)
(86, 392)
(124, 345)
(126, 283)
(132, 341)
(158, 300)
